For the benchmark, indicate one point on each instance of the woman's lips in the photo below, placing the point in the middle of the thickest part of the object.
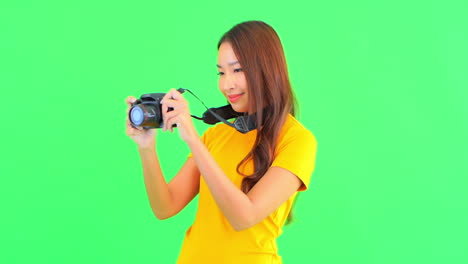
(234, 98)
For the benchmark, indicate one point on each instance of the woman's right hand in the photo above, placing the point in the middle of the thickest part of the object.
(145, 138)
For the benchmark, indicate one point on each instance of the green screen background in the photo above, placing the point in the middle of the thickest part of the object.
(382, 85)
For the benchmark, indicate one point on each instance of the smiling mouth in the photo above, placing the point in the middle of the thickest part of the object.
(234, 98)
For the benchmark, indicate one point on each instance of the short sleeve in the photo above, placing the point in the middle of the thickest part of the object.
(296, 152)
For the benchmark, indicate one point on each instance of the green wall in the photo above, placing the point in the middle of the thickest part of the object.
(383, 85)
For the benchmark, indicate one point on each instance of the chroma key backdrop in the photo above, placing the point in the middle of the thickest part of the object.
(383, 85)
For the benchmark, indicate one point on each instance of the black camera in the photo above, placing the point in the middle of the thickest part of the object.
(146, 112)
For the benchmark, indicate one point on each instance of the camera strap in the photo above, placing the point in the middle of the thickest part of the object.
(243, 123)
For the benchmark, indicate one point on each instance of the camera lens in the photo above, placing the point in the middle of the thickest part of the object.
(137, 116)
(146, 116)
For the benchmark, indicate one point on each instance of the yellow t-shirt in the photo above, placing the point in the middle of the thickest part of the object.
(211, 238)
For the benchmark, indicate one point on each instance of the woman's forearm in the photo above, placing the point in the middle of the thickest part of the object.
(234, 204)
(156, 186)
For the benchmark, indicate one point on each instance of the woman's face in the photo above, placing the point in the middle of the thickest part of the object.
(232, 82)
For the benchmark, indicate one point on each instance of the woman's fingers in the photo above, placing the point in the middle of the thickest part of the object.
(175, 94)
(170, 122)
(171, 114)
(166, 104)
(170, 119)
(172, 99)
(132, 131)
(130, 100)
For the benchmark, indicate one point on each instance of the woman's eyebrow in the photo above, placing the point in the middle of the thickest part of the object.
(229, 63)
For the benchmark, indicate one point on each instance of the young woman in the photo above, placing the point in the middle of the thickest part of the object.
(247, 182)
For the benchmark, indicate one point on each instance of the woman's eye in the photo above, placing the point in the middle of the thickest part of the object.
(220, 73)
(238, 70)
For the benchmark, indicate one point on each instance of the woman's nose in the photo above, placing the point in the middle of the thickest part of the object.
(229, 82)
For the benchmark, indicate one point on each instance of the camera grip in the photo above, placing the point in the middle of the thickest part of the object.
(171, 109)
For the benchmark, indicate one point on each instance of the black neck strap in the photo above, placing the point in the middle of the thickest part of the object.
(243, 123)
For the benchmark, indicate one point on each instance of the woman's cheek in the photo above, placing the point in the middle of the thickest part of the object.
(220, 86)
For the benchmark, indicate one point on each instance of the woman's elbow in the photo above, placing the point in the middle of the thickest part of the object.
(240, 228)
(162, 215)
(246, 223)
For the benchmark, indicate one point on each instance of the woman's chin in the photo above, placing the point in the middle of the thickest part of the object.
(238, 109)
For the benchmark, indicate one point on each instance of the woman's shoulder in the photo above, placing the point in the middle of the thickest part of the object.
(294, 132)
(294, 127)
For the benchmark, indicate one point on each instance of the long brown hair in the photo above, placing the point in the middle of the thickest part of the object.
(260, 52)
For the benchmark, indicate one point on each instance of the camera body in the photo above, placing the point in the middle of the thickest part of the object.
(146, 112)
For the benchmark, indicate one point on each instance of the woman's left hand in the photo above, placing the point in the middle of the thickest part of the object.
(179, 116)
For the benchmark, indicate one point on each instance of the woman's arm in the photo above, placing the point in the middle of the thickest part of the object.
(244, 210)
(156, 186)
(167, 200)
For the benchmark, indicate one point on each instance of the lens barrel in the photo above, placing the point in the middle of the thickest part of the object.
(146, 116)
